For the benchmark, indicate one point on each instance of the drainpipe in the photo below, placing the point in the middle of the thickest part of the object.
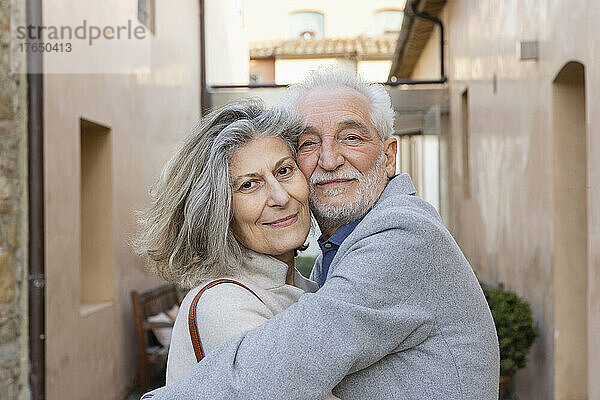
(35, 154)
(204, 102)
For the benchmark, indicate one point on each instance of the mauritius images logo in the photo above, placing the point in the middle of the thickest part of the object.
(84, 31)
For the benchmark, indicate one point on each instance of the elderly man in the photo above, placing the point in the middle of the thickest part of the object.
(399, 314)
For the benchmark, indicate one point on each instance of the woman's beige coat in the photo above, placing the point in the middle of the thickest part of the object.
(225, 310)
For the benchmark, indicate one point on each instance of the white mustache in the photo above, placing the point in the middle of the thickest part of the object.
(326, 176)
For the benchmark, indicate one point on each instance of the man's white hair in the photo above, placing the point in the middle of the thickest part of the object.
(381, 112)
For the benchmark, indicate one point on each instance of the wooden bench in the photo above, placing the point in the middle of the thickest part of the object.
(146, 304)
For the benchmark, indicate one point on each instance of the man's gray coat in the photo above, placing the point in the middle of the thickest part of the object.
(401, 316)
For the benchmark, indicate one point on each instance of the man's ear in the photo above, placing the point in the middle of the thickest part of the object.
(390, 146)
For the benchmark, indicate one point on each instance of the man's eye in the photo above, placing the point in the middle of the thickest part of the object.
(285, 170)
(306, 144)
(352, 137)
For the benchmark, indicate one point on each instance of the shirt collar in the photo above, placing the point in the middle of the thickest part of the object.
(401, 181)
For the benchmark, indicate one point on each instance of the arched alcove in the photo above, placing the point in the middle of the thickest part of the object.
(570, 232)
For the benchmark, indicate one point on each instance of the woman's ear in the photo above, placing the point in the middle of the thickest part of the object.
(390, 146)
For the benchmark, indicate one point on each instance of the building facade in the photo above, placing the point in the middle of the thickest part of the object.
(114, 110)
(107, 136)
(287, 39)
(522, 166)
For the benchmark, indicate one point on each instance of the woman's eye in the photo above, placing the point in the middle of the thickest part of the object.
(352, 137)
(247, 185)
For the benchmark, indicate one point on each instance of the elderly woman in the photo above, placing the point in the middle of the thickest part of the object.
(228, 214)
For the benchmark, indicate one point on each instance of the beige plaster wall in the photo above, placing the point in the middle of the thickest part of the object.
(92, 352)
(506, 226)
(226, 43)
(428, 65)
(263, 68)
(292, 70)
(374, 70)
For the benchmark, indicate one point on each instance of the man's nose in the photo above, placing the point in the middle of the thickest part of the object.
(330, 156)
(277, 196)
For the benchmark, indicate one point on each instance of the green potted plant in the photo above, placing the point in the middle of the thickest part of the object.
(516, 332)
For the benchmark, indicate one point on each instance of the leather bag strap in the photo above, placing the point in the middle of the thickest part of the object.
(193, 326)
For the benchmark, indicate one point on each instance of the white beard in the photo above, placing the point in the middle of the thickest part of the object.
(331, 215)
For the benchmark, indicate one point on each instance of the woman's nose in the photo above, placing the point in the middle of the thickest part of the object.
(278, 196)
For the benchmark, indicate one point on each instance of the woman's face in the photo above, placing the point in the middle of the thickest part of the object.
(270, 197)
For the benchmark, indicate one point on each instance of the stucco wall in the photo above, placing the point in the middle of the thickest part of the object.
(374, 70)
(506, 226)
(428, 65)
(289, 71)
(92, 352)
(263, 69)
(14, 382)
(226, 43)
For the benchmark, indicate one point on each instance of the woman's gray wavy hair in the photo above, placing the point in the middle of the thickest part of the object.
(381, 112)
(185, 233)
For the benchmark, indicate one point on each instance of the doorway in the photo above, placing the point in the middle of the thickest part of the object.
(570, 233)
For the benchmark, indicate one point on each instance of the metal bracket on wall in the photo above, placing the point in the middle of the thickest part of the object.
(37, 280)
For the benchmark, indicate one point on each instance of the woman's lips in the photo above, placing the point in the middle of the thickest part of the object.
(283, 222)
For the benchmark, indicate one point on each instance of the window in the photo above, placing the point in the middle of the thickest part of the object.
(97, 283)
(306, 25)
(146, 13)
(386, 22)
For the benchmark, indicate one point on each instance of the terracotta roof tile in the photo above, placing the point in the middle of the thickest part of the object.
(362, 46)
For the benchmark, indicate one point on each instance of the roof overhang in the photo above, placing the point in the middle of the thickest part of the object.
(361, 48)
(413, 37)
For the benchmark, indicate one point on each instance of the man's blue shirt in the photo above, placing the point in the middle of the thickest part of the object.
(331, 246)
